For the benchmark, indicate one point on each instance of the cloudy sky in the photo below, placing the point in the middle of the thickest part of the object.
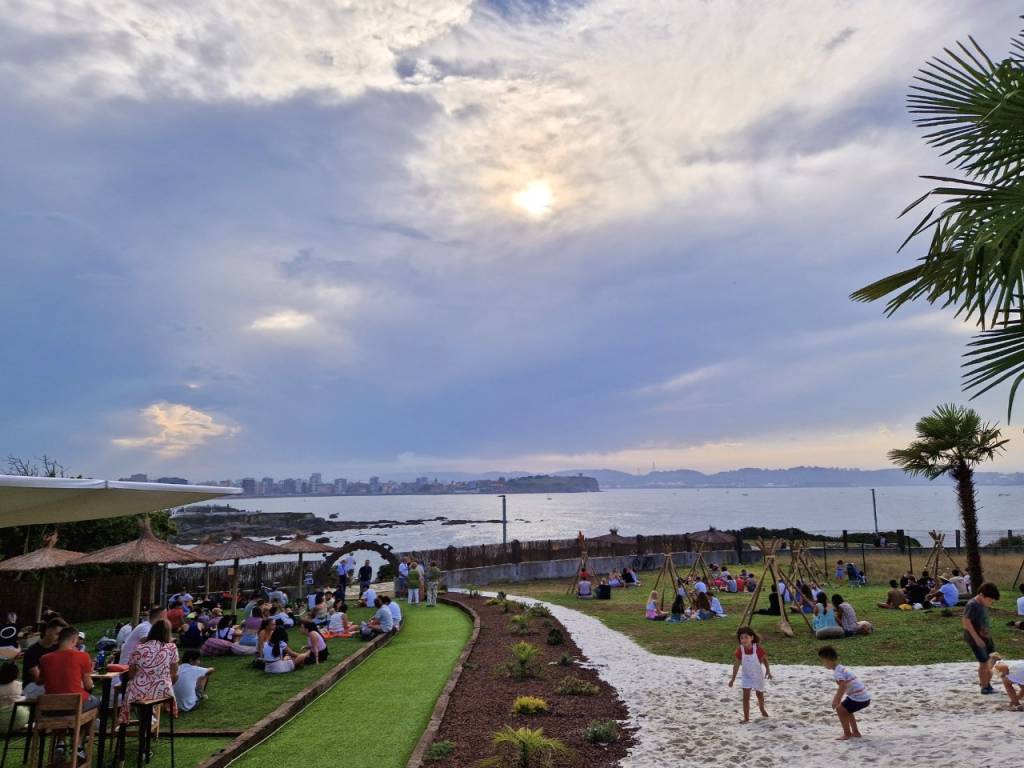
(251, 238)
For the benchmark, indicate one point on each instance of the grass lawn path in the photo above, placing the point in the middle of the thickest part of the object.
(376, 714)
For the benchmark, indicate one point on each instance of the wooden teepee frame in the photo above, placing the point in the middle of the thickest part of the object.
(700, 568)
(670, 574)
(771, 569)
(803, 566)
(580, 567)
(935, 558)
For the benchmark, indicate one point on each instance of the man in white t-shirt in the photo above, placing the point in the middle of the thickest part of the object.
(369, 596)
(190, 686)
(700, 586)
(140, 633)
(396, 610)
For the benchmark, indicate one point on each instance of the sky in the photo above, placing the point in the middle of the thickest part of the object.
(366, 237)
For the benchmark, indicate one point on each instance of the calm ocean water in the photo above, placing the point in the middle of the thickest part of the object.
(537, 516)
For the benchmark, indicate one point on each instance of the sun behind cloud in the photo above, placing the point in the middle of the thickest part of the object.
(175, 429)
(536, 199)
(286, 320)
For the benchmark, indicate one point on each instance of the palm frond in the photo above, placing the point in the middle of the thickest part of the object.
(995, 356)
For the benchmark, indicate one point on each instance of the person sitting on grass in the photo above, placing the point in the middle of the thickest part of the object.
(615, 579)
(278, 657)
(381, 623)
(773, 604)
(315, 643)
(629, 577)
(851, 695)
(716, 607)
(847, 618)
(584, 589)
(337, 623)
(191, 633)
(251, 627)
(894, 598)
(396, 611)
(703, 607)
(190, 687)
(221, 641)
(804, 602)
(175, 615)
(751, 583)
(652, 613)
(824, 622)
(369, 598)
(945, 595)
(678, 611)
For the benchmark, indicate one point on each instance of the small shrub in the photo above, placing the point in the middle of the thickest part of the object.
(524, 664)
(565, 660)
(494, 601)
(505, 607)
(526, 748)
(439, 750)
(539, 611)
(502, 596)
(519, 625)
(555, 637)
(529, 705)
(472, 590)
(601, 732)
(570, 685)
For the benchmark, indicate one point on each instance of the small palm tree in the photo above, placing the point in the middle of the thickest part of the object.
(526, 748)
(952, 440)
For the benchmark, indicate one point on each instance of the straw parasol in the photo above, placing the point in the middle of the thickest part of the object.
(713, 536)
(44, 559)
(239, 548)
(147, 549)
(301, 546)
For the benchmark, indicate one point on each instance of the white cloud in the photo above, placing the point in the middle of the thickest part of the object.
(285, 320)
(175, 429)
(686, 380)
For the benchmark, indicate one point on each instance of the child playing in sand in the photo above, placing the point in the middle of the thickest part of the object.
(1012, 676)
(851, 695)
(750, 657)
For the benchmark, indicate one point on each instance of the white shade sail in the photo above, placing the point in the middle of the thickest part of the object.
(39, 500)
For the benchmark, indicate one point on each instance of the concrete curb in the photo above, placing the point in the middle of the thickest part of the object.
(266, 726)
(418, 754)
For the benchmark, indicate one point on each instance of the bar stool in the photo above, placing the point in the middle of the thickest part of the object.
(146, 708)
(62, 713)
(30, 705)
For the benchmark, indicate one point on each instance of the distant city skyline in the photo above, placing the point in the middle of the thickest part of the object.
(456, 235)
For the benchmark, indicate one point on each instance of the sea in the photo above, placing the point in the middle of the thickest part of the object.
(916, 509)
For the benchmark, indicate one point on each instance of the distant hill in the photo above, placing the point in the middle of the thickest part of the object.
(795, 477)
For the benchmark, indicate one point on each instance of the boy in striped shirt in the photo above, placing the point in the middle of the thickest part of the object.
(851, 695)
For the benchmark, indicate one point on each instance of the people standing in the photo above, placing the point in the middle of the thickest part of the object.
(412, 582)
(753, 662)
(403, 576)
(977, 633)
(851, 695)
(342, 568)
(365, 577)
(433, 583)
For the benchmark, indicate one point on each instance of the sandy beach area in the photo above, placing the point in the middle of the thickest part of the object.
(685, 714)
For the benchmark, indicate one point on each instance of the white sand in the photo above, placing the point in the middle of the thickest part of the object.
(930, 716)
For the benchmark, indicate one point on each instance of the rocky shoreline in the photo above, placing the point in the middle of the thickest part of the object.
(199, 522)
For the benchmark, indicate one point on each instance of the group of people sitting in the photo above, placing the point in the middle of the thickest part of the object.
(691, 603)
(912, 593)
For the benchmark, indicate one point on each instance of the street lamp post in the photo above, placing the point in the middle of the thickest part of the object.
(504, 521)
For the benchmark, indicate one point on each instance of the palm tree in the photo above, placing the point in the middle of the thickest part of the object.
(972, 111)
(952, 440)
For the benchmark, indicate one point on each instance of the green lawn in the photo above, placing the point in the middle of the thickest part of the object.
(918, 637)
(376, 714)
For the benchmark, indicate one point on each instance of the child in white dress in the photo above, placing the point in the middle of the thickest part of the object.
(753, 661)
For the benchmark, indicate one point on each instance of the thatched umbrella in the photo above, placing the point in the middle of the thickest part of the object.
(301, 545)
(238, 548)
(713, 536)
(44, 559)
(145, 550)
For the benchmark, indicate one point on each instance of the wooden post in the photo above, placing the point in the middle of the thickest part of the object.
(234, 588)
(958, 541)
(863, 558)
(137, 595)
(39, 597)
(824, 557)
(901, 540)
(846, 541)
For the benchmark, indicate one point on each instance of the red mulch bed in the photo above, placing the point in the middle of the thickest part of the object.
(481, 702)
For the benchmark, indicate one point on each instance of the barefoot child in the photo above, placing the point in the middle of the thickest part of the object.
(1012, 676)
(851, 695)
(750, 656)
